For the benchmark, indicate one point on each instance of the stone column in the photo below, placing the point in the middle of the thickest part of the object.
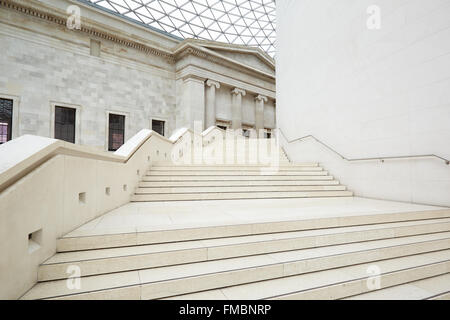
(236, 108)
(275, 114)
(210, 112)
(191, 103)
(259, 113)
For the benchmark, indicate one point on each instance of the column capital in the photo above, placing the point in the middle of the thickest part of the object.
(238, 91)
(261, 98)
(211, 83)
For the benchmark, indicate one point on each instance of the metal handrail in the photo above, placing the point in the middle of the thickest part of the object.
(447, 162)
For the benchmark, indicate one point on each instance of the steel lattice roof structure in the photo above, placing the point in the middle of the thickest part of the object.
(242, 22)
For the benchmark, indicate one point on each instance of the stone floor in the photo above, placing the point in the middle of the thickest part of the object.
(147, 216)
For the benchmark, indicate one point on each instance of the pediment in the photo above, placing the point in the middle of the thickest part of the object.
(250, 56)
(247, 58)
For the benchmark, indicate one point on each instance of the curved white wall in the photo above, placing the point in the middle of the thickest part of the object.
(368, 93)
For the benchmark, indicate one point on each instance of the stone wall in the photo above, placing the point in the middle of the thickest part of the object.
(112, 65)
(41, 76)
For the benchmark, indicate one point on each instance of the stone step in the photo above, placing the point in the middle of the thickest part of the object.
(195, 173)
(237, 183)
(104, 261)
(238, 195)
(429, 288)
(237, 178)
(337, 283)
(235, 168)
(200, 166)
(177, 233)
(222, 189)
(194, 277)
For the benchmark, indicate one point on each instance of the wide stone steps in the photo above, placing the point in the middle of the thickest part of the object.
(268, 178)
(194, 173)
(103, 261)
(237, 183)
(238, 195)
(168, 182)
(173, 280)
(433, 288)
(169, 166)
(340, 283)
(290, 167)
(148, 236)
(235, 189)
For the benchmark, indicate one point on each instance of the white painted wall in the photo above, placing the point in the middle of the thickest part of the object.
(368, 93)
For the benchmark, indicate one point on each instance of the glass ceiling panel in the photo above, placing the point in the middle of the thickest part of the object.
(244, 22)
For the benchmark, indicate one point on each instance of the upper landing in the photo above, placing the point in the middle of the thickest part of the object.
(152, 216)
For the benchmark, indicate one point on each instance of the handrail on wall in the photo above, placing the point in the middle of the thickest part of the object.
(447, 162)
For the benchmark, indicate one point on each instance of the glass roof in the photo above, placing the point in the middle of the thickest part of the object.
(243, 22)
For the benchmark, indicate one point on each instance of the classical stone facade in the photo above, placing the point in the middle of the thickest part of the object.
(111, 65)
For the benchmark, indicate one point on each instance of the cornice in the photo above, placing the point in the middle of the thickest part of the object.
(267, 60)
(60, 19)
(193, 77)
(186, 48)
(233, 82)
(209, 44)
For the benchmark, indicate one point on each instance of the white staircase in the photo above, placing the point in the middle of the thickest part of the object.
(165, 182)
(325, 258)
(277, 247)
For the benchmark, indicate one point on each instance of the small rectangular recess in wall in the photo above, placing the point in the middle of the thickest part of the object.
(82, 198)
(95, 48)
(108, 191)
(34, 240)
(125, 187)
